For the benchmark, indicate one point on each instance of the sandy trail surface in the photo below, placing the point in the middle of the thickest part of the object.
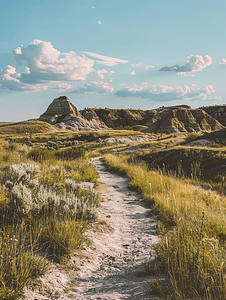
(118, 257)
(113, 267)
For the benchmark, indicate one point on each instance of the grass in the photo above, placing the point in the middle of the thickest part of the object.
(191, 220)
(192, 224)
(204, 166)
(43, 213)
(24, 128)
(67, 135)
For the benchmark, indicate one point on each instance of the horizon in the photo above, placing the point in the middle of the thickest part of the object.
(116, 54)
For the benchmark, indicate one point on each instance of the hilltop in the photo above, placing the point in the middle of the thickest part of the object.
(64, 115)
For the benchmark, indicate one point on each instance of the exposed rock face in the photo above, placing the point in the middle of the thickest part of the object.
(64, 115)
(80, 124)
(181, 120)
(164, 119)
(58, 109)
(218, 112)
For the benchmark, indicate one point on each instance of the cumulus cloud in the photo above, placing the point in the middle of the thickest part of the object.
(12, 80)
(223, 62)
(94, 88)
(141, 66)
(63, 87)
(44, 65)
(166, 93)
(195, 63)
(133, 73)
(102, 73)
(106, 60)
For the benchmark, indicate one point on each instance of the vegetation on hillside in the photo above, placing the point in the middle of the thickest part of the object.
(192, 225)
(43, 210)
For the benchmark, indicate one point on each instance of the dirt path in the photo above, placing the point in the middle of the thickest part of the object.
(113, 267)
(116, 268)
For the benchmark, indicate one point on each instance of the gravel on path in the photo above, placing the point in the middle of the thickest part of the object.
(118, 258)
(113, 267)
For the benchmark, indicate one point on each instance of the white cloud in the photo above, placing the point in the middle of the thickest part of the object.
(133, 73)
(62, 87)
(223, 62)
(12, 80)
(95, 88)
(44, 65)
(185, 74)
(99, 22)
(166, 93)
(195, 63)
(141, 66)
(106, 60)
(27, 70)
(18, 50)
(102, 73)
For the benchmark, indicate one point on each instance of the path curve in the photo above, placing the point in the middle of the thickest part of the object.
(114, 266)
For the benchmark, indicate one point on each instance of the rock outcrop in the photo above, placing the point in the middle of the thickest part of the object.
(64, 115)
(217, 111)
(58, 110)
(164, 119)
(181, 120)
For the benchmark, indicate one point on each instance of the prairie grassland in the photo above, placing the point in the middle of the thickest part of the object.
(74, 135)
(200, 165)
(25, 127)
(43, 211)
(192, 224)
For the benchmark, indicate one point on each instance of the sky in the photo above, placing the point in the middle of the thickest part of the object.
(116, 54)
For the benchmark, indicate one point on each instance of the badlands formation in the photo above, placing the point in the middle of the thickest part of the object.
(64, 115)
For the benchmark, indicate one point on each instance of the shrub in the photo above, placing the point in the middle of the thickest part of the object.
(22, 177)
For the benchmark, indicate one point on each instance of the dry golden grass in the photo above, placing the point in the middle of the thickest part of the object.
(192, 222)
(25, 128)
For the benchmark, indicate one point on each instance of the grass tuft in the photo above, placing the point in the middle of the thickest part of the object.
(192, 225)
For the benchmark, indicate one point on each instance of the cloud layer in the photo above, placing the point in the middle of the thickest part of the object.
(41, 65)
(94, 88)
(141, 66)
(195, 63)
(166, 93)
(106, 60)
(102, 73)
(44, 65)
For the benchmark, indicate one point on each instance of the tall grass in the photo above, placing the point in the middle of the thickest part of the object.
(193, 227)
(43, 213)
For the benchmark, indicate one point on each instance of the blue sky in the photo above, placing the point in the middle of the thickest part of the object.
(117, 54)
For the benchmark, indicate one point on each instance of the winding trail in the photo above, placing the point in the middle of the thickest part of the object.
(115, 268)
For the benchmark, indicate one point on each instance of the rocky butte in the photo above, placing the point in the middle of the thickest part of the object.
(64, 115)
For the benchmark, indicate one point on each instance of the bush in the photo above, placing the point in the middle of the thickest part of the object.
(20, 179)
